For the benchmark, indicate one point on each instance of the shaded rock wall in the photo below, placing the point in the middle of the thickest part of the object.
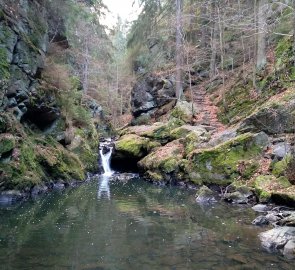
(38, 144)
(23, 44)
(150, 94)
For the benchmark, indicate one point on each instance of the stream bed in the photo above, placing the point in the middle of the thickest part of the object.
(117, 225)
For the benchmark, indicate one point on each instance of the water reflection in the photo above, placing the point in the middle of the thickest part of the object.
(137, 226)
(104, 187)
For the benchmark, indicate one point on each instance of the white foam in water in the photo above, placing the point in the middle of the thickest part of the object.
(106, 159)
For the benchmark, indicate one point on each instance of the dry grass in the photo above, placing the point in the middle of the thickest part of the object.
(57, 75)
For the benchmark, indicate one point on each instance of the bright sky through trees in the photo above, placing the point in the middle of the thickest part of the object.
(124, 8)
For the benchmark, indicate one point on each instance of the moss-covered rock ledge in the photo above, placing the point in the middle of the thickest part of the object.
(183, 153)
(28, 159)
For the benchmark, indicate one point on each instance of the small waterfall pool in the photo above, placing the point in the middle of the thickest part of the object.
(119, 225)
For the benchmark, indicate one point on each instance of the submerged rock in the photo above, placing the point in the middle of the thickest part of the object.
(276, 240)
(124, 177)
(243, 195)
(205, 195)
(39, 189)
(260, 221)
(11, 196)
(261, 208)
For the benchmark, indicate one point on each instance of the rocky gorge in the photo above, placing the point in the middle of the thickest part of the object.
(240, 151)
(249, 158)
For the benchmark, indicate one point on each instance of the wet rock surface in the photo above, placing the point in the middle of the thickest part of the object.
(279, 239)
(282, 237)
(205, 195)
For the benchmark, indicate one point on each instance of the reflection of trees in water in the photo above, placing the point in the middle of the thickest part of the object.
(141, 225)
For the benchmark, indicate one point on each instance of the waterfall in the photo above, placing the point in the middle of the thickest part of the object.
(105, 154)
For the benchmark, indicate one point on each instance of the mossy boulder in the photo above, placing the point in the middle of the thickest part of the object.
(38, 160)
(279, 168)
(183, 131)
(270, 187)
(7, 143)
(183, 111)
(275, 118)
(132, 146)
(85, 146)
(222, 164)
(141, 130)
(164, 162)
(162, 132)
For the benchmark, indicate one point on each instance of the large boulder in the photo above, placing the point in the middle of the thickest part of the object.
(131, 146)
(151, 93)
(272, 119)
(183, 111)
(222, 164)
(129, 149)
(164, 163)
(162, 132)
(279, 239)
(278, 189)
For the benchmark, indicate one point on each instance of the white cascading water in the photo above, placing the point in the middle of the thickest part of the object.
(106, 160)
(104, 187)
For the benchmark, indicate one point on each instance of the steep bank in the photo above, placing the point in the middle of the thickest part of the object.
(230, 135)
(48, 129)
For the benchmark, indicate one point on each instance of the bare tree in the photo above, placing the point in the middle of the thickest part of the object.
(261, 34)
(179, 90)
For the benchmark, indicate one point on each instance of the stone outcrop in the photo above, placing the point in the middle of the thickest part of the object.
(23, 44)
(150, 94)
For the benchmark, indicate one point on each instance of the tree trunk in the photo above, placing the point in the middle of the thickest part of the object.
(86, 68)
(179, 89)
(213, 41)
(294, 30)
(261, 36)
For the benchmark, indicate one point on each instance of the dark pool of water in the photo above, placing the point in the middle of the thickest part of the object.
(135, 226)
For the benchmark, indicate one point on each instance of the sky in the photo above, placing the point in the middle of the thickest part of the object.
(123, 8)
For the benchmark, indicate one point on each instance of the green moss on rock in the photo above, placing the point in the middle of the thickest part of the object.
(163, 161)
(279, 168)
(268, 185)
(7, 143)
(162, 132)
(228, 161)
(132, 146)
(183, 111)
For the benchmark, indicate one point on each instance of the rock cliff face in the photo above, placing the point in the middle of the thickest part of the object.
(38, 143)
(23, 44)
(152, 96)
